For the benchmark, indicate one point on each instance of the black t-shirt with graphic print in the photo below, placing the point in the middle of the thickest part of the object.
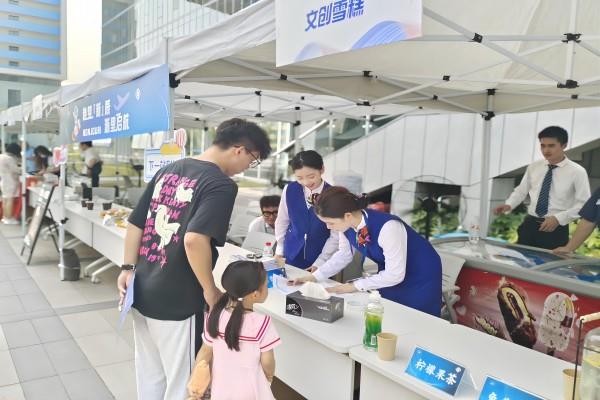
(186, 196)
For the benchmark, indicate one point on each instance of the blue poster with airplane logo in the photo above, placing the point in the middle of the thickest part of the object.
(139, 106)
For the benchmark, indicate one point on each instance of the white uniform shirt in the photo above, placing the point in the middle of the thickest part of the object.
(393, 241)
(88, 155)
(283, 222)
(569, 191)
(259, 225)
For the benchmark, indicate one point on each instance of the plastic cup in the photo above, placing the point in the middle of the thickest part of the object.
(568, 380)
(84, 203)
(386, 346)
(106, 206)
(90, 205)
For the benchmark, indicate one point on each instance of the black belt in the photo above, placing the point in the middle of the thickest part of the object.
(536, 219)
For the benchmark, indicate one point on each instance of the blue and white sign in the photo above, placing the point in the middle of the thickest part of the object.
(139, 106)
(435, 371)
(313, 28)
(494, 389)
(154, 160)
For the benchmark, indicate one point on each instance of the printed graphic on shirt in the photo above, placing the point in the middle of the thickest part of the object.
(171, 196)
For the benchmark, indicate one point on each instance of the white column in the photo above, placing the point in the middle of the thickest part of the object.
(23, 175)
(3, 137)
(61, 227)
(484, 198)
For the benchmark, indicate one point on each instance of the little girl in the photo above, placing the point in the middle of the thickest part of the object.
(239, 341)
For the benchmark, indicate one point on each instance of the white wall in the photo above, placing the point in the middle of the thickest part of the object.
(447, 149)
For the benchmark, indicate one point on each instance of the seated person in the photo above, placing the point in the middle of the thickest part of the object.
(268, 207)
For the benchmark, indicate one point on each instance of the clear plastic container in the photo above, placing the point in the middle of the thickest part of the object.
(589, 384)
(373, 321)
(268, 250)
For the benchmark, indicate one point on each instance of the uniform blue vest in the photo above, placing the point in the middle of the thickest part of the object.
(422, 285)
(306, 234)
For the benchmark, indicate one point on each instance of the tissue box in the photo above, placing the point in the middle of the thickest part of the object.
(328, 310)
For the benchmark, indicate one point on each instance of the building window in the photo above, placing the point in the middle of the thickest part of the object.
(13, 17)
(13, 33)
(13, 64)
(14, 97)
(13, 2)
(13, 48)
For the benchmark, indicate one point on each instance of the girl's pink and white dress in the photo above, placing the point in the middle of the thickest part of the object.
(238, 375)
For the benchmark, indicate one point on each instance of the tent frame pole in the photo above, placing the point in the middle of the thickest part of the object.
(484, 197)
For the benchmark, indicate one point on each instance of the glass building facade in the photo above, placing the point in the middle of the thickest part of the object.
(131, 28)
(32, 49)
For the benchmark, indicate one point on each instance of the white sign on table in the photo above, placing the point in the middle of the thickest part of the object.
(154, 160)
(313, 28)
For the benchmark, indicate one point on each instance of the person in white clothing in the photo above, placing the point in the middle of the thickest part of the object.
(92, 163)
(269, 207)
(9, 182)
(409, 269)
(302, 239)
(557, 188)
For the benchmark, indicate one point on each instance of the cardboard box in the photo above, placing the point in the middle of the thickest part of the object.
(328, 310)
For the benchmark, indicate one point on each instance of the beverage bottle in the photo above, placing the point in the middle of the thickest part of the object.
(268, 250)
(373, 319)
(589, 385)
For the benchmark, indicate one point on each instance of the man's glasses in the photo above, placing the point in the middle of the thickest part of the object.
(269, 213)
(254, 163)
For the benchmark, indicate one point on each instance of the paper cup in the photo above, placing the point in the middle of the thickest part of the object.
(568, 379)
(386, 346)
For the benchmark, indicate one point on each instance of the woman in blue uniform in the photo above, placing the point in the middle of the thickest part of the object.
(302, 239)
(410, 270)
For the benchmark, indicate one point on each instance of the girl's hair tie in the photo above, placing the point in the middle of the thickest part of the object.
(240, 299)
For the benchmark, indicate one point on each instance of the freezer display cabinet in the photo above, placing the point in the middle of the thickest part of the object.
(523, 294)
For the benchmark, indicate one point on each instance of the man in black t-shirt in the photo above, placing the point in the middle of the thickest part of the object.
(590, 219)
(171, 240)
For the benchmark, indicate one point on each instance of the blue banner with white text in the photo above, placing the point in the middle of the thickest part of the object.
(139, 106)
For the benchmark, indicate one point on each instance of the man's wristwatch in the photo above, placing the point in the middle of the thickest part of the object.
(127, 267)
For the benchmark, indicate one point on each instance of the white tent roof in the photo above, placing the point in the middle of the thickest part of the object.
(521, 55)
(216, 103)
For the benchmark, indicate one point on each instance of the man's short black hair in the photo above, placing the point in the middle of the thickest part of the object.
(555, 132)
(14, 149)
(270, 201)
(89, 144)
(239, 132)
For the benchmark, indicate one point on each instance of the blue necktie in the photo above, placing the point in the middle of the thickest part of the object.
(541, 208)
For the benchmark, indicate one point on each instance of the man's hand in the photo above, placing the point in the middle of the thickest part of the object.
(212, 296)
(122, 284)
(562, 250)
(340, 289)
(299, 281)
(549, 224)
(504, 208)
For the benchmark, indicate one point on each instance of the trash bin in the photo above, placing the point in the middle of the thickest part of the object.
(71, 267)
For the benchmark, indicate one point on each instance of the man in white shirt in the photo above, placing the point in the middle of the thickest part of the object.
(557, 188)
(92, 163)
(269, 206)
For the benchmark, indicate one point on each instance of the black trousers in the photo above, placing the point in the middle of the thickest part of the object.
(530, 234)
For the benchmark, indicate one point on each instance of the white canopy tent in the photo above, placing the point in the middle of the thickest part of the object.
(485, 57)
